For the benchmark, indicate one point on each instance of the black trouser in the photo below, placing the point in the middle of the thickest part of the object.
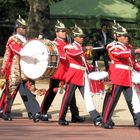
(50, 95)
(96, 56)
(70, 92)
(28, 98)
(111, 100)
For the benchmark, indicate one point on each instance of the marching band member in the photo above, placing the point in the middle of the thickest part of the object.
(75, 78)
(59, 76)
(123, 61)
(15, 79)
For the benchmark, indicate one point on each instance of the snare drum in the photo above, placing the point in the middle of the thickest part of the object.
(39, 58)
(97, 81)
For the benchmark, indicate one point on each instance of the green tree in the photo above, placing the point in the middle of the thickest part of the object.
(8, 13)
(38, 17)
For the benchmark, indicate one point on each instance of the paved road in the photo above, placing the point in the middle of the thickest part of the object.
(21, 128)
(24, 129)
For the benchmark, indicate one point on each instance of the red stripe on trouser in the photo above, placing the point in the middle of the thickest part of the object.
(2, 100)
(3, 97)
(105, 103)
(109, 105)
(64, 102)
(7, 102)
(42, 105)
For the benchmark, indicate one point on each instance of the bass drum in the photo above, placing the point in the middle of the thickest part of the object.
(39, 58)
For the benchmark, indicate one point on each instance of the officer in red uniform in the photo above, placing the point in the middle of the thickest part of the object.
(123, 60)
(59, 76)
(15, 79)
(75, 77)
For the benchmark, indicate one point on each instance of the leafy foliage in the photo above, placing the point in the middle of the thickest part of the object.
(8, 13)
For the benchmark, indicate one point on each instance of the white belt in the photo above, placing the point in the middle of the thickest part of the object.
(77, 66)
(125, 67)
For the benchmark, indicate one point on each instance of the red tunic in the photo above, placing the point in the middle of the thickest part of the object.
(75, 73)
(11, 66)
(63, 63)
(13, 47)
(122, 63)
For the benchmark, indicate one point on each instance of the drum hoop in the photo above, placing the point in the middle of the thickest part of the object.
(99, 75)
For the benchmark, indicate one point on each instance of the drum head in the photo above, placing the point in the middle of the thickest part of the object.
(34, 59)
(98, 75)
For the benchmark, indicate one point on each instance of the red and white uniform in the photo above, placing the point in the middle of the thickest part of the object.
(10, 67)
(122, 63)
(63, 63)
(58, 76)
(75, 78)
(75, 73)
(120, 72)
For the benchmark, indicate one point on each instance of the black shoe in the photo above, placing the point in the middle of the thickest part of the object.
(1, 112)
(63, 122)
(137, 125)
(98, 121)
(44, 117)
(108, 125)
(112, 123)
(6, 117)
(30, 115)
(36, 117)
(76, 119)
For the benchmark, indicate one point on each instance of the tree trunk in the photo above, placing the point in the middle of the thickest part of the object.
(38, 17)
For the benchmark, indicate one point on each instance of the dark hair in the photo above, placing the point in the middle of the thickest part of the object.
(103, 24)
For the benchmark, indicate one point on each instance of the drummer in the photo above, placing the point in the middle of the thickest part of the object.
(59, 77)
(75, 77)
(15, 79)
(123, 60)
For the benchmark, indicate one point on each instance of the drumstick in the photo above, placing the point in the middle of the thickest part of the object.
(98, 48)
(85, 64)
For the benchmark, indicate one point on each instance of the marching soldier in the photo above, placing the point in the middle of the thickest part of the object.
(15, 79)
(76, 77)
(123, 61)
(59, 76)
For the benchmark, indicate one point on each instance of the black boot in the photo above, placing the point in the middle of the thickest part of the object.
(36, 117)
(6, 117)
(30, 115)
(108, 125)
(63, 122)
(44, 117)
(98, 121)
(1, 112)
